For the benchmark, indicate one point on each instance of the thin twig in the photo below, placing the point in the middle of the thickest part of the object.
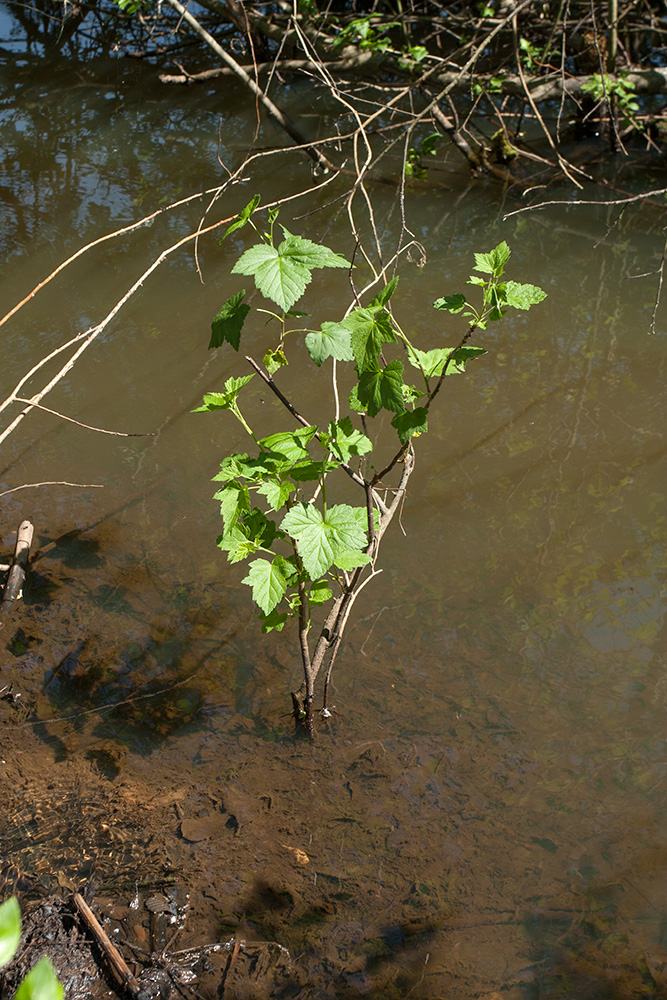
(54, 482)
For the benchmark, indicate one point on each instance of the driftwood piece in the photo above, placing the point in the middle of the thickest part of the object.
(18, 567)
(117, 963)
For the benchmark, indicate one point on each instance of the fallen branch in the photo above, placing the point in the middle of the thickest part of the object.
(318, 158)
(117, 963)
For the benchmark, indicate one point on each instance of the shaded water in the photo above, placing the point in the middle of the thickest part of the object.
(486, 811)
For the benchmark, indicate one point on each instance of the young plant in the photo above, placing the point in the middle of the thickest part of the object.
(41, 983)
(619, 90)
(310, 556)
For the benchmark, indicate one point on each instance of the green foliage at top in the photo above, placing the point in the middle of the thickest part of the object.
(41, 983)
(275, 501)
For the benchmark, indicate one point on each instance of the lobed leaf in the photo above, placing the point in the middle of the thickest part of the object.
(320, 539)
(311, 255)
(268, 583)
(228, 323)
(277, 276)
(223, 400)
(380, 388)
(451, 303)
(411, 423)
(276, 493)
(331, 341)
(370, 329)
(292, 445)
(345, 440)
(494, 261)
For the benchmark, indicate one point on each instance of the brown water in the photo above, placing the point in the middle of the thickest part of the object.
(486, 811)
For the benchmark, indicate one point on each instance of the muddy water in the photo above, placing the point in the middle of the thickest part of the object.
(485, 810)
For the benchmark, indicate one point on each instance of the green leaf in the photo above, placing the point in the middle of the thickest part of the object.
(354, 402)
(41, 983)
(494, 261)
(523, 296)
(451, 303)
(346, 440)
(307, 472)
(292, 445)
(431, 362)
(274, 621)
(383, 297)
(223, 400)
(251, 531)
(411, 423)
(332, 341)
(228, 323)
(370, 328)
(10, 930)
(351, 559)
(283, 274)
(382, 387)
(461, 357)
(267, 582)
(277, 277)
(311, 255)
(242, 217)
(273, 360)
(320, 592)
(320, 540)
(234, 498)
(276, 493)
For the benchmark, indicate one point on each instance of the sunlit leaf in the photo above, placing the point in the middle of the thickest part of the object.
(523, 296)
(41, 983)
(494, 261)
(320, 592)
(346, 440)
(283, 274)
(292, 445)
(320, 539)
(267, 582)
(351, 559)
(276, 493)
(331, 341)
(10, 930)
(223, 400)
(242, 217)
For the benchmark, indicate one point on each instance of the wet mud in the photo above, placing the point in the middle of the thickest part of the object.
(428, 844)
